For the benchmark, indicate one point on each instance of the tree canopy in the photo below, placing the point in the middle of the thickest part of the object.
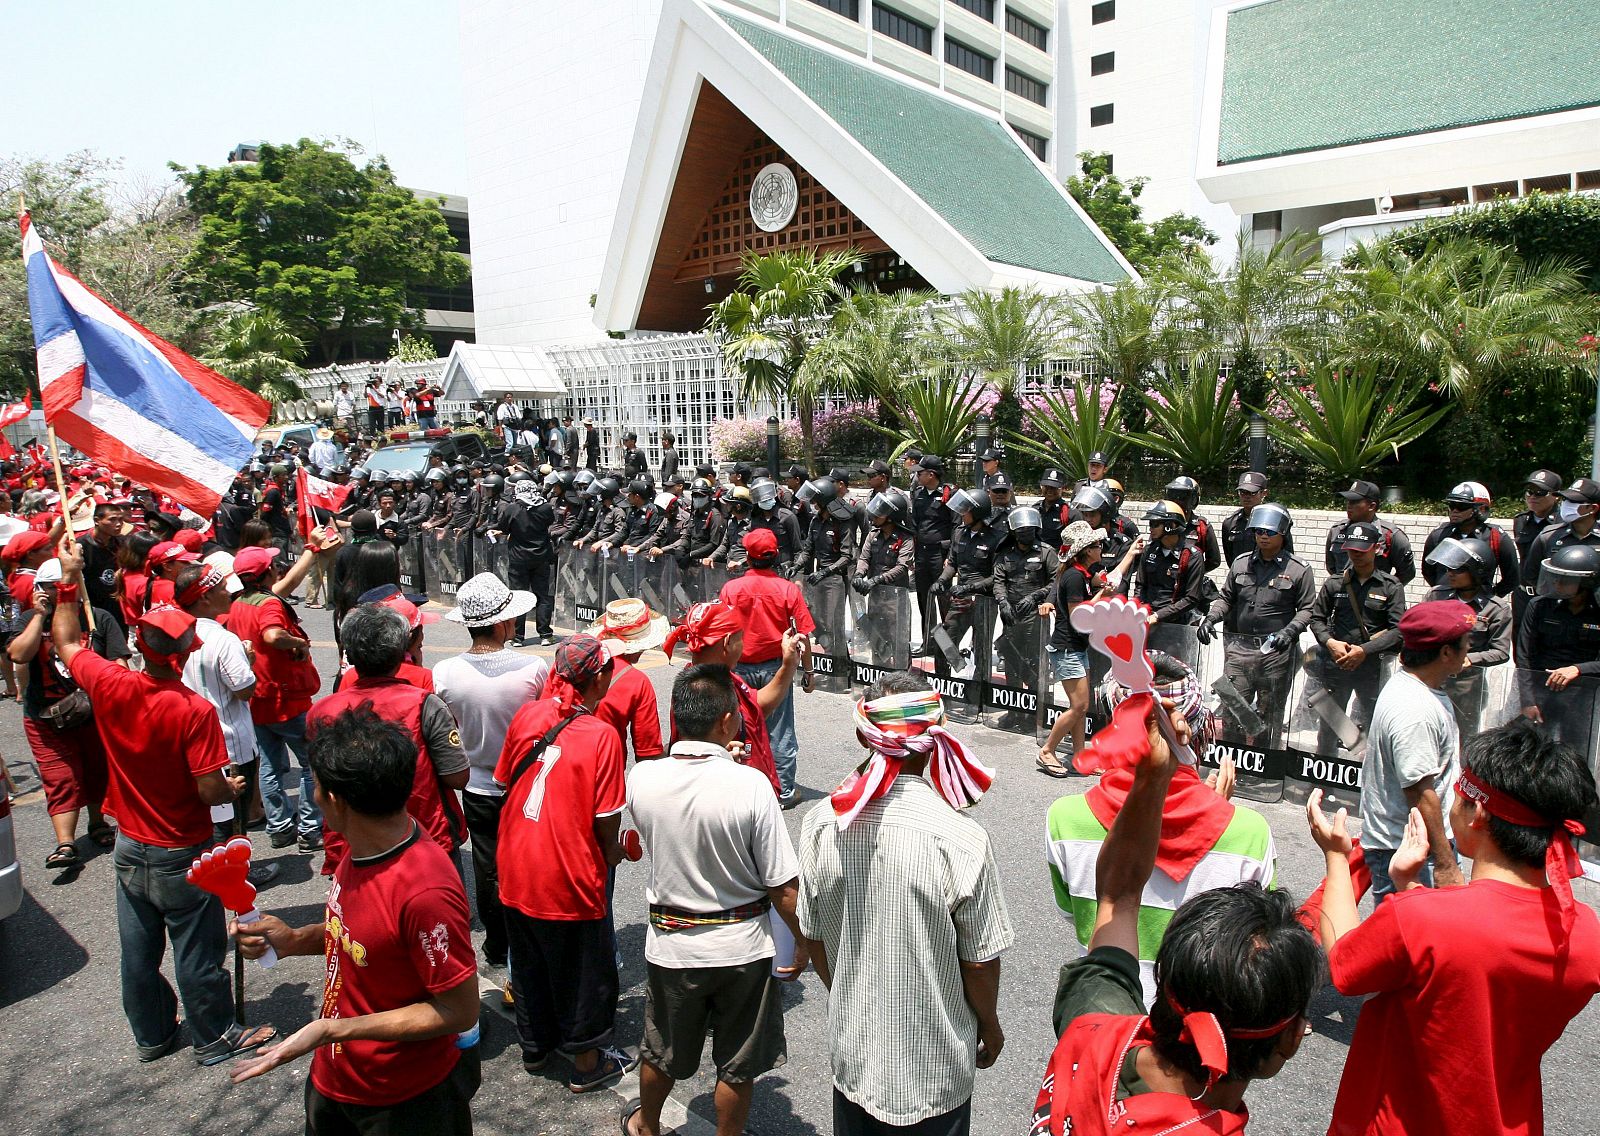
(1113, 205)
(333, 248)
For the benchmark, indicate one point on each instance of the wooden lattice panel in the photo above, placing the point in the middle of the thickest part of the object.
(821, 221)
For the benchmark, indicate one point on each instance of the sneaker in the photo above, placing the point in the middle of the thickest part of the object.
(308, 843)
(789, 800)
(264, 872)
(282, 838)
(547, 641)
(534, 1063)
(611, 1067)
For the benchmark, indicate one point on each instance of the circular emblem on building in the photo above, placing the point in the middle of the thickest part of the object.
(773, 197)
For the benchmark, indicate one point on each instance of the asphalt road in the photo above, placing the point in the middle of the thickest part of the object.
(67, 1064)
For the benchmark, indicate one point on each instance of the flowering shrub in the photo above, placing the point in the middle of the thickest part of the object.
(745, 439)
(845, 430)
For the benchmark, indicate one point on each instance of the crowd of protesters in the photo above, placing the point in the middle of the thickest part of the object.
(170, 699)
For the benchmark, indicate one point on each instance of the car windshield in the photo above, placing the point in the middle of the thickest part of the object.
(401, 459)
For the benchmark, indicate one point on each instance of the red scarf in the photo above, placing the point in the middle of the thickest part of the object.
(1192, 818)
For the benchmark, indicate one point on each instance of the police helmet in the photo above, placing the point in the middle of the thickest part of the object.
(890, 504)
(607, 487)
(438, 475)
(1091, 499)
(701, 489)
(359, 473)
(519, 477)
(1579, 563)
(1469, 555)
(1025, 523)
(1114, 487)
(494, 483)
(764, 493)
(1184, 490)
(583, 478)
(1167, 514)
(1270, 518)
(964, 501)
(640, 486)
(1472, 495)
(459, 470)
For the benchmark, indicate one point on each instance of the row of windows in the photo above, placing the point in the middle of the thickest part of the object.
(984, 8)
(850, 9)
(1027, 31)
(902, 28)
(1038, 145)
(958, 54)
(909, 31)
(1026, 86)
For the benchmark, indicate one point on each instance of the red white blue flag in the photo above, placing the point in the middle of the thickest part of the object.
(127, 397)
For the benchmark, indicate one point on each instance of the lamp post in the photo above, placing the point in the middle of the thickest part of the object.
(1258, 443)
(981, 430)
(772, 446)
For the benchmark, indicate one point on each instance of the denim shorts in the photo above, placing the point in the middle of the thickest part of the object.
(1067, 664)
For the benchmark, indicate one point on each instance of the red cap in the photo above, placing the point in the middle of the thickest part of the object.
(165, 618)
(189, 538)
(253, 561)
(169, 550)
(1436, 623)
(761, 544)
(23, 543)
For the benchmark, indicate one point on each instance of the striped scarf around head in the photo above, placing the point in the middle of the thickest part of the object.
(899, 725)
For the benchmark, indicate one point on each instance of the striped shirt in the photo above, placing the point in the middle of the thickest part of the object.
(1243, 852)
(901, 898)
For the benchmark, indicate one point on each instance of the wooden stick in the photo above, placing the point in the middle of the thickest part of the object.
(66, 517)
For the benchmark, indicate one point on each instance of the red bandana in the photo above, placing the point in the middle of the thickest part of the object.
(1561, 864)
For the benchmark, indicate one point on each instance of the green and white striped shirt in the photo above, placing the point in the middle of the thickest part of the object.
(1243, 852)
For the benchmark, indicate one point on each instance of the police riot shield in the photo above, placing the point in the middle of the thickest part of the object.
(587, 577)
(1569, 708)
(1482, 698)
(880, 638)
(957, 652)
(441, 562)
(1330, 708)
(412, 577)
(640, 576)
(1250, 688)
(830, 661)
(711, 580)
(490, 553)
(1010, 693)
(566, 581)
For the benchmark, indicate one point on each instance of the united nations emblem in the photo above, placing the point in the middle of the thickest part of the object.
(773, 197)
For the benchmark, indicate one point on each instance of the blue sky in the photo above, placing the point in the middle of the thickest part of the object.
(152, 81)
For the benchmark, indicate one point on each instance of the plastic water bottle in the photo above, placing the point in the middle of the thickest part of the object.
(782, 943)
(470, 1038)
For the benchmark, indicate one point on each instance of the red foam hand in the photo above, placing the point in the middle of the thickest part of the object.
(1123, 742)
(224, 872)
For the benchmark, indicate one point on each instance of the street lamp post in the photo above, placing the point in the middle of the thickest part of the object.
(1258, 443)
(981, 433)
(772, 446)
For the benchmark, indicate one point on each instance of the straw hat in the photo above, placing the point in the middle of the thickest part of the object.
(484, 601)
(628, 627)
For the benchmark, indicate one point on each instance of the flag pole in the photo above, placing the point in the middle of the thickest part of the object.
(66, 517)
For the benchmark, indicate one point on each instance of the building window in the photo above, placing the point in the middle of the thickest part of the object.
(1038, 145)
(1101, 115)
(902, 28)
(1103, 64)
(958, 54)
(984, 8)
(1027, 31)
(1103, 12)
(850, 9)
(1026, 86)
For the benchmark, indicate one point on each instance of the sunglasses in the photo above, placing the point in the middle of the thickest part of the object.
(1532, 492)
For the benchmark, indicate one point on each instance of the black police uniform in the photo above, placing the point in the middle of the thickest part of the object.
(1503, 549)
(1053, 516)
(830, 550)
(1261, 598)
(1363, 613)
(1204, 536)
(1526, 528)
(1552, 635)
(1392, 555)
(885, 564)
(1023, 578)
(1545, 546)
(968, 576)
(1168, 580)
(1238, 540)
(932, 524)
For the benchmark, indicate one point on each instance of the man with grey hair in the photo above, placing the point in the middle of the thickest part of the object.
(375, 639)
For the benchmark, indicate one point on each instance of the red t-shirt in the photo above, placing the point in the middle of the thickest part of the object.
(630, 701)
(159, 736)
(397, 931)
(409, 673)
(133, 590)
(767, 603)
(551, 866)
(1468, 993)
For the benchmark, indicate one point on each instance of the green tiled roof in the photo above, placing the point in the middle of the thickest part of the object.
(965, 165)
(1313, 74)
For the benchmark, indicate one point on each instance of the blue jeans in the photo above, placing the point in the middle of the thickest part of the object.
(155, 903)
(427, 421)
(1382, 884)
(780, 722)
(274, 742)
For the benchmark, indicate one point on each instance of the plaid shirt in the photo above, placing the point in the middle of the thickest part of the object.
(914, 883)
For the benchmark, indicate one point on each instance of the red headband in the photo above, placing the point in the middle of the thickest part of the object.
(197, 590)
(1561, 864)
(1203, 1030)
(706, 623)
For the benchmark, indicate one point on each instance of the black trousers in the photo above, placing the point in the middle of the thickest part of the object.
(1364, 682)
(850, 1119)
(483, 823)
(927, 569)
(564, 975)
(444, 1110)
(374, 419)
(1263, 680)
(538, 577)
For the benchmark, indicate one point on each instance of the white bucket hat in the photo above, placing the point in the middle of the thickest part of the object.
(484, 601)
(1078, 536)
(628, 626)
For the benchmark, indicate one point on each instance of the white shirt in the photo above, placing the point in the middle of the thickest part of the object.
(717, 840)
(10, 526)
(344, 406)
(324, 453)
(216, 672)
(484, 692)
(1413, 735)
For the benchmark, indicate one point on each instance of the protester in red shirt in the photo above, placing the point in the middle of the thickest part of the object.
(714, 634)
(164, 563)
(1469, 985)
(627, 629)
(412, 671)
(395, 1047)
(167, 762)
(375, 640)
(770, 607)
(563, 773)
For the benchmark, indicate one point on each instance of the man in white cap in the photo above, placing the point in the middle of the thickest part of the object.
(484, 687)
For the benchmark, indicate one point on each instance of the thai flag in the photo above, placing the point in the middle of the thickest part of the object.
(130, 399)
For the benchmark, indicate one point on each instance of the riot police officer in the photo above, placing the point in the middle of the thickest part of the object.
(584, 505)
(1580, 506)
(1468, 503)
(730, 549)
(611, 517)
(1054, 511)
(1000, 499)
(1092, 505)
(1264, 605)
(1393, 553)
(1541, 493)
(1099, 464)
(1466, 566)
(1171, 568)
(705, 522)
(931, 527)
(1356, 622)
(883, 574)
(643, 522)
(1024, 573)
(767, 513)
(1559, 642)
(968, 576)
(1186, 492)
(1235, 533)
(829, 552)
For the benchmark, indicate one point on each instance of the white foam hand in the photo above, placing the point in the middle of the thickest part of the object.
(1117, 628)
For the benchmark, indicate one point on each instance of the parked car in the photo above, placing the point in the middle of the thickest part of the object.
(281, 433)
(411, 455)
(10, 868)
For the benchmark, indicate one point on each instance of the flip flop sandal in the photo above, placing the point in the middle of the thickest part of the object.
(65, 856)
(629, 1111)
(249, 1039)
(1052, 769)
(103, 835)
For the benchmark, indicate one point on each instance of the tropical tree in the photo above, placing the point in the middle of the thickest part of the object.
(770, 323)
(257, 350)
(1270, 304)
(1113, 205)
(1128, 333)
(936, 415)
(1073, 425)
(1197, 419)
(1347, 421)
(875, 342)
(997, 336)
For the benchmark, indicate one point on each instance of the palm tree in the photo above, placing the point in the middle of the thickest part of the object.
(997, 336)
(1128, 333)
(257, 350)
(768, 326)
(1270, 304)
(875, 342)
(1345, 422)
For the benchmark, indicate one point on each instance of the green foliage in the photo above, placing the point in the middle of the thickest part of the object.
(258, 351)
(336, 249)
(997, 336)
(1073, 426)
(1197, 422)
(936, 416)
(875, 341)
(131, 245)
(1537, 227)
(414, 349)
(1352, 420)
(1113, 205)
